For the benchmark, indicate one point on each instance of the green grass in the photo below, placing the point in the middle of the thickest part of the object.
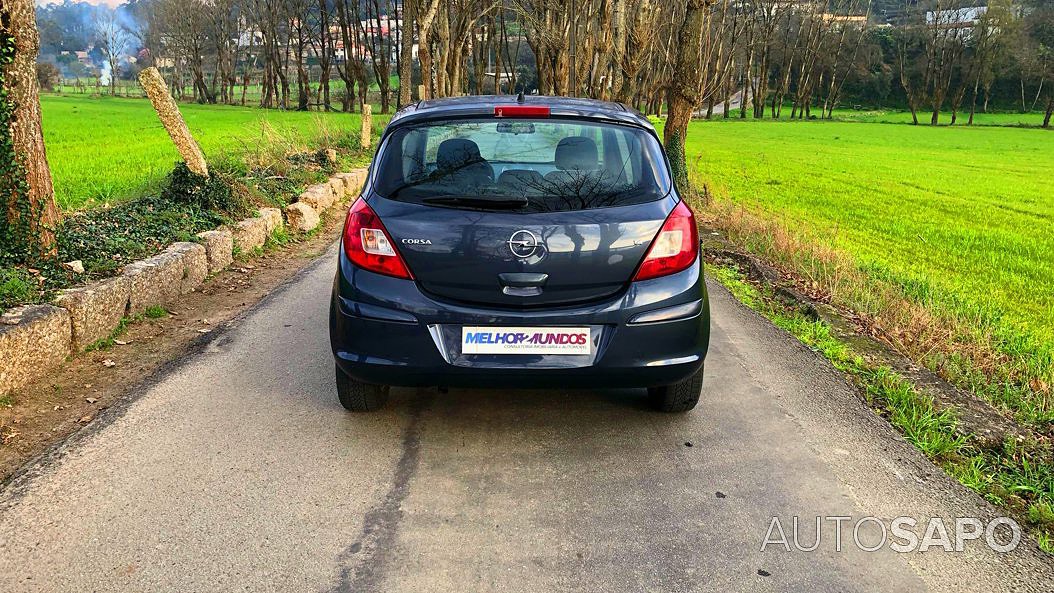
(1033, 119)
(109, 149)
(914, 414)
(128, 88)
(957, 219)
(1018, 477)
(16, 287)
(120, 330)
(155, 312)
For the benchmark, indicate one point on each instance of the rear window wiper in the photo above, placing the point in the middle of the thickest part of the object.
(509, 202)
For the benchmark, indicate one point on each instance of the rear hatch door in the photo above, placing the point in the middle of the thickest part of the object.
(513, 259)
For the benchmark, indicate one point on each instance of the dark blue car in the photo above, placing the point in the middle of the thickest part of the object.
(519, 242)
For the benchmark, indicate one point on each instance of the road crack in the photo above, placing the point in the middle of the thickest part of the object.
(363, 562)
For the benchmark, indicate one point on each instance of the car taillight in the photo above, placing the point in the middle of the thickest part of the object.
(521, 111)
(674, 248)
(368, 245)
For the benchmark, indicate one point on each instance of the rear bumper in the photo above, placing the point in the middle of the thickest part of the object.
(386, 331)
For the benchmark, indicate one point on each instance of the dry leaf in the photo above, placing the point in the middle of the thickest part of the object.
(90, 400)
(109, 363)
(121, 342)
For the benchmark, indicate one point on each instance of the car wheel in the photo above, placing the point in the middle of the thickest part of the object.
(357, 396)
(679, 397)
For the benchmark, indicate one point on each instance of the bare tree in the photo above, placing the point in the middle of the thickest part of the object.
(1039, 28)
(351, 69)
(113, 40)
(692, 82)
(988, 44)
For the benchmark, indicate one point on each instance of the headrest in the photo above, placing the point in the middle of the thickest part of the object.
(526, 177)
(576, 152)
(457, 152)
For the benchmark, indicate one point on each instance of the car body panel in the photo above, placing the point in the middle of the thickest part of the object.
(437, 243)
(395, 331)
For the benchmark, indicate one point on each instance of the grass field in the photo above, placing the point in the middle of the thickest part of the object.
(957, 219)
(108, 149)
(1033, 120)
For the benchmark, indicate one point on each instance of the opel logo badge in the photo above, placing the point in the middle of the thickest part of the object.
(523, 244)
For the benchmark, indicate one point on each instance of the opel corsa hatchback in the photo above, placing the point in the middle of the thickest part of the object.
(532, 242)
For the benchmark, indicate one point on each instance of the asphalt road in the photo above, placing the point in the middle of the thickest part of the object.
(236, 469)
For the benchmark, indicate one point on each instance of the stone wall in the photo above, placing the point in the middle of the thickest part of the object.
(34, 339)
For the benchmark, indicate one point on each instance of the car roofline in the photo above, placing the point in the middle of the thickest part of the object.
(482, 106)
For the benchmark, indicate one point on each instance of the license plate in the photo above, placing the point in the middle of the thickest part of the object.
(526, 340)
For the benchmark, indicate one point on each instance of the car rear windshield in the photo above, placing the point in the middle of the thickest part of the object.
(528, 164)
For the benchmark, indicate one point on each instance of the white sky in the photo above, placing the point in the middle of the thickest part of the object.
(95, 2)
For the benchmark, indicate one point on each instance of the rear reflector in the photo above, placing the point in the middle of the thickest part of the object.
(674, 248)
(367, 244)
(521, 111)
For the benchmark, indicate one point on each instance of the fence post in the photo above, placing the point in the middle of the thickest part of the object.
(168, 113)
(366, 138)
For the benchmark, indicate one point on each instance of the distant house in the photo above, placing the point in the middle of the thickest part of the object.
(856, 20)
(956, 18)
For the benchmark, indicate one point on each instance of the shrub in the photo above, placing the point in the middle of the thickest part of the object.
(47, 76)
(108, 238)
(16, 287)
(209, 193)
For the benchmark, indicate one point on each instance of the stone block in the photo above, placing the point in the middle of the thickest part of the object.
(353, 182)
(315, 198)
(96, 309)
(155, 281)
(250, 234)
(272, 219)
(301, 217)
(33, 340)
(336, 185)
(219, 248)
(195, 264)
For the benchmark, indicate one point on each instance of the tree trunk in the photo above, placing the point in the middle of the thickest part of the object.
(424, 57)
(406, 54)
(674, 134)
(973, 102)
(1050, 112)
(1039, 94)
(685, 89)
(747, 83)
(1023, 108)
(31, 182)
(302, 82)
(426, 14)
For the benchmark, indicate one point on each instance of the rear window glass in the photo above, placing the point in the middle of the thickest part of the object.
(529, 164)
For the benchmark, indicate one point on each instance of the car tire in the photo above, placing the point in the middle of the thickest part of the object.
(679, 397)
(357, 396)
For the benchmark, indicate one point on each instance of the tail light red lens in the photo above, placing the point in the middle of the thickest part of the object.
(368, 245)
(674, 248)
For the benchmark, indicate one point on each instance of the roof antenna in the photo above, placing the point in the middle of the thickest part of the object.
(520, 98)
